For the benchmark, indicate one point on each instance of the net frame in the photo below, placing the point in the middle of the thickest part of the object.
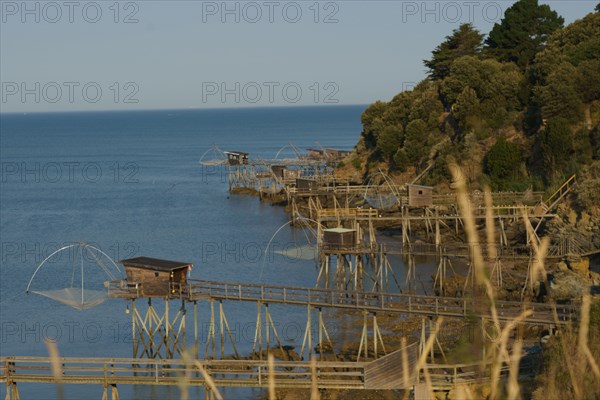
(68, 295)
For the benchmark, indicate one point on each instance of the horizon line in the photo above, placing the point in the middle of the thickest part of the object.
(185, 109)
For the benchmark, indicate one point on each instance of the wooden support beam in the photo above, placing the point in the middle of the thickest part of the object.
(307, 339)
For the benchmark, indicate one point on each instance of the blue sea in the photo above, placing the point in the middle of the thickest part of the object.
(130, 183)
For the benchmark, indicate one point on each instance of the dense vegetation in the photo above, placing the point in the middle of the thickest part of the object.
(519, 108)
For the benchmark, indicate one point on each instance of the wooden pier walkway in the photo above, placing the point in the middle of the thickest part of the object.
(477, 198)
(372, 214)
(172, 372)
(373, 302)
(383, 374)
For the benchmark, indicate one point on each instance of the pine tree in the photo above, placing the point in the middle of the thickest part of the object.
(522, 32)
(464, 41)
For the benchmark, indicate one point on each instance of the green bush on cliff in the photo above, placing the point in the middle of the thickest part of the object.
(502, 164)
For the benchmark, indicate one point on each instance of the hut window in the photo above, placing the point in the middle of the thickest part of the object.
(156, 274)
(420, 192)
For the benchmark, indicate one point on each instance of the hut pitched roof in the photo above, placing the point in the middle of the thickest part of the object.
(154, 264)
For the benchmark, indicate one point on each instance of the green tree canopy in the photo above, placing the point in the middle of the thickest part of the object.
(401, 160)
(415, 143)
(372, 121)
(522, 32)
(567, 71)
(464, 41)
(588, 77)
(472, 98)
(556, 145)
(502, 162)
(575, 43)
(466, 107)
(426, 104)
(560, 96)
(389, 141)
(489, 78)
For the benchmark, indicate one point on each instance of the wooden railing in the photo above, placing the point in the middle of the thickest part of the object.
(429, 249)
(131, 371)
(346, 212)
(447, 376)
(124, 288)
(542, 313)
(498, 198)
(561, 192)
(374, 302)
(237, 373)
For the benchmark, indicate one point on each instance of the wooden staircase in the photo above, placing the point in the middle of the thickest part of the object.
(553, 200)
(557, 196)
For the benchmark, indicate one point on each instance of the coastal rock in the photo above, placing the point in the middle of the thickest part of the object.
(286, 353)
(569, 286)
(562, 266)
(459, 392)
(580, 265)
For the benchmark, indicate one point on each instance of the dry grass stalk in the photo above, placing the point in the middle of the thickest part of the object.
(422, 360)
(501, 354)
(190, 365)
(466, 213)
(489, 224)
(56, 367)
(568, 362)
(405, 372)
(514, 390)
(210, 383)
(314, 388)
(576, 357)
(464, 392)
(271, 362)
(184, 382)
(584, 327)
(538, 271)
(465, 208)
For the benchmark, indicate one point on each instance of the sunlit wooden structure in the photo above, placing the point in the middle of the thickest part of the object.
(386, 373)
(158, 332)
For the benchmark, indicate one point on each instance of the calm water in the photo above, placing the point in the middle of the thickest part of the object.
(130, 183)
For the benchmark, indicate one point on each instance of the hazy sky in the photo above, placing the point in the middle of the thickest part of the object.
(86, 55)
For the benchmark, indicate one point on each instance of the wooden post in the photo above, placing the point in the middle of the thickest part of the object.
(258, 332)
(134, 328)
(196, 344)
(210, 340)
(221, 329)
(431, 356)
(114, 392)
(167, 330)
(307, 340)
(438, 237)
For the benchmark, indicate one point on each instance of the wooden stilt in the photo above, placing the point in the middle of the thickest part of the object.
(114, 392)
(258, 332)
(196, 343)
(307, 340)
(210, 337)
(225, 328)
